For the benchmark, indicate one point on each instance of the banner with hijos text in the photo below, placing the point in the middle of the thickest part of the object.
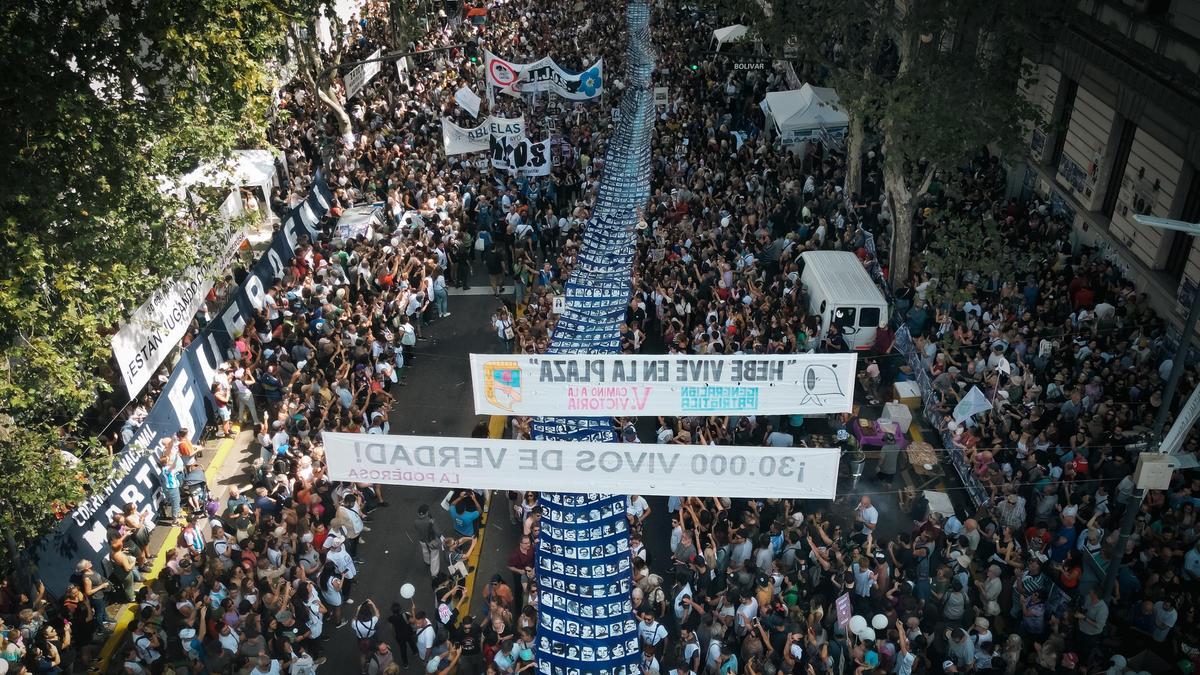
(515, 79)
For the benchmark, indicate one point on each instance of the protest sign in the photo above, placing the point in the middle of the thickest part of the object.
(587, 384)
(515, 79)
(359, 76)
(458, 141)
(521, 156)
(467, 100)
(626, 468)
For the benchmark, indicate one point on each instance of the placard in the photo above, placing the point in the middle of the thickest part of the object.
(586, 384)
(468, 100)
(582, 467)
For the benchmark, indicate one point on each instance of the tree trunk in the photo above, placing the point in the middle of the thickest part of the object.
(904, 200)
(854, 153)
(319, 78)
(343, 119)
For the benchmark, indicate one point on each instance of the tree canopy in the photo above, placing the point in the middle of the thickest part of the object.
(103, 101)
(936, 80)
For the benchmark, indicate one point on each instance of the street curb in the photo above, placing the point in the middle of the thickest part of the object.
(126, 615)
(496, 424)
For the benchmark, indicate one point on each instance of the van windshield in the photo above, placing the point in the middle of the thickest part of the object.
(869, 317)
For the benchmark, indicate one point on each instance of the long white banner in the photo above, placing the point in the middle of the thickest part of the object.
(141, 344)
(594, 385)
(544, 74)
(619, 468)
(460, 141)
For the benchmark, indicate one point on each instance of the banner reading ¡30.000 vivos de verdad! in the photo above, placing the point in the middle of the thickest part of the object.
(583, 467)
(583, 384)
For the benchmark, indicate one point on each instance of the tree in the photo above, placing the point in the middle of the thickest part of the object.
(320, 67)
(936, 79)
(963, 250)
(105, 100)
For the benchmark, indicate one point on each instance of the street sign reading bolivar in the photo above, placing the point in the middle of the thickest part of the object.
(585, 384)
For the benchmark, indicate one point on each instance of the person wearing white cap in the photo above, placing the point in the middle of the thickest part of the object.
(343, 563)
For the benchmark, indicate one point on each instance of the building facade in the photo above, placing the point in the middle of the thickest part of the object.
(1119, 94)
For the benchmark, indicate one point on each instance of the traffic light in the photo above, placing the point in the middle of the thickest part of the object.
(473, 51)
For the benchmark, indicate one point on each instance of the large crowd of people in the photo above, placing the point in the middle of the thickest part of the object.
(1072, 356)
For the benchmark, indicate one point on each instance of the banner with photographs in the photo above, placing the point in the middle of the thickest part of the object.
(778, 384)
(515, 79)
(586, 624)
(521, 156)
(460, 141)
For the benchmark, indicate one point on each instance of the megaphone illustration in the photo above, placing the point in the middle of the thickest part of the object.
(820, 384)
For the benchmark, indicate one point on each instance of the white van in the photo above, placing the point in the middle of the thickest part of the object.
(841, 292)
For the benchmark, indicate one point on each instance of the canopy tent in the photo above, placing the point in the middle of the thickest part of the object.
(724, 36)
(812, 112)
(253, 169)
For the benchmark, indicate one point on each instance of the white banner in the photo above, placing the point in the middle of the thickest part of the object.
(521, 156)
(595, 385)
(458, 141)
(141, 344)
(358, 76)
(467, 100)
(544, 74)
(618, 468)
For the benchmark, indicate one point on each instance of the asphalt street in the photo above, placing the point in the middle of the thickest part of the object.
(435, 401)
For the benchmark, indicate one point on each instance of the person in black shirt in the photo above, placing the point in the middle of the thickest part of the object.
(469, 636)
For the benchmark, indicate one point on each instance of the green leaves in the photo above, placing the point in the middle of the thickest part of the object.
(111, 97)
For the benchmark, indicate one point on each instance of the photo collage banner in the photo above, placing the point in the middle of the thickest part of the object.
(586, 620)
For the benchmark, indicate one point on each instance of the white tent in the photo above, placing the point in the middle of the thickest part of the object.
(253, 169)
(808, 112)
(724, 36)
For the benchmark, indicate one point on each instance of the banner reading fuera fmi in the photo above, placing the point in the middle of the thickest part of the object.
(583, 384)
(620, 468)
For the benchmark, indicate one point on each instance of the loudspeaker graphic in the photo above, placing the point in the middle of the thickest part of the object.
(820, 384)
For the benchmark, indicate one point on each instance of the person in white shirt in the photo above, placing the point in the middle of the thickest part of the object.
(638, 509)
(440, 297)
(343, 563)
(867, 515)
(425, 632)
(651, 632)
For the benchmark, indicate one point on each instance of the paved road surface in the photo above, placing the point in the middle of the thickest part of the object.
(436, 401)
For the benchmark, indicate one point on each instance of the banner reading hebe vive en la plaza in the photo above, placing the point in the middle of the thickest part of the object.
(604, 385)
(582, 467)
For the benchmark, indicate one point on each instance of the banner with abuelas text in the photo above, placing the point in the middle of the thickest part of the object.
(596, 385)
(624, 468)
(459, 140)
(544, 74)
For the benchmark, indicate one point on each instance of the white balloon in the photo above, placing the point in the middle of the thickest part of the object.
(407, 591)
(857, 624)
(867, 633)
(879, 622)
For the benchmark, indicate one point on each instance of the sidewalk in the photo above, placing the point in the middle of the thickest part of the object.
(226, 462)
